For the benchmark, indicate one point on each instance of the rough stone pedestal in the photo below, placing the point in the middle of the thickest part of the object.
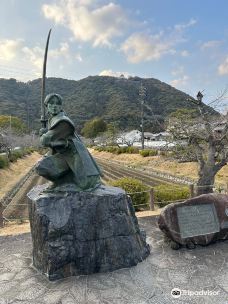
(201, 220)
(77, 233)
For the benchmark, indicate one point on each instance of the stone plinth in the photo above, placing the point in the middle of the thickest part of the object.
(197, 221)
(77, 233)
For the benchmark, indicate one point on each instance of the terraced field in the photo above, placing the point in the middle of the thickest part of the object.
(17, 208)
(112, 170)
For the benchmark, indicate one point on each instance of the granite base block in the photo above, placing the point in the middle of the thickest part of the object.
(76, 233)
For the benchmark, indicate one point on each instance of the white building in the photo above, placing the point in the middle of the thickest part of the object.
(129, 138)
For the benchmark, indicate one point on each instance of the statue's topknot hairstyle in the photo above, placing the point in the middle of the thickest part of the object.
(50, 96)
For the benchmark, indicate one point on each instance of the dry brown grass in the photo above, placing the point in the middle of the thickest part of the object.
(13, 228)
(162, 164)
(10, 176)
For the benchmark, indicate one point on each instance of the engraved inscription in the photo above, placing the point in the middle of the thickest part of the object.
(197, 220)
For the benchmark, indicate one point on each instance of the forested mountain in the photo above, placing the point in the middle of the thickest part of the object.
(116, 100)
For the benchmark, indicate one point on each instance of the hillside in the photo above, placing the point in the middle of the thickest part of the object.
(116, 100)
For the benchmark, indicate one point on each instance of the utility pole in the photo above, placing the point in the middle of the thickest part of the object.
(10, 123)
(142, 94)
(27, 88)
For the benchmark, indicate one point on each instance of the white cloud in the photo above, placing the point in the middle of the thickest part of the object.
(183, 26)
(180, 82)
(223, 67)
(178, 71)
(185, 53)
(78, 57)
(24, 62)
(54, 12)
(34, 55)
(9, 48)
(181, 77)
(63, 50)
(143, 47)
(98, 25)
(114, 74)
(210, 44)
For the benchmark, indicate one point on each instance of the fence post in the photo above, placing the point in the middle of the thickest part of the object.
(152, 199)
(191, 188)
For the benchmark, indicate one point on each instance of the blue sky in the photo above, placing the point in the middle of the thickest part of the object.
(183, 43)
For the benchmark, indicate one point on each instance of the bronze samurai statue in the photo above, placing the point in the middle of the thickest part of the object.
(69, 163)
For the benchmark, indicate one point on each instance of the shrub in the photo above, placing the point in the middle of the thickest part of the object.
(14, 155)
(111, 149)
(28, 150)
(144, 153)
(117, 150)
(148, 152)
(99, 149)
(131, 185)
(4, 162)
(132, 150)
(169, 193)
(153, 152)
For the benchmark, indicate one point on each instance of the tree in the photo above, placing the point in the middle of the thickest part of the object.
(128, 138)
(12, 135)
(12, 123)
(109, 137)
(94, 127)
(206, 135)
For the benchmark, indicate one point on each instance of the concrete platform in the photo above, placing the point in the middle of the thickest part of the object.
(150, 282)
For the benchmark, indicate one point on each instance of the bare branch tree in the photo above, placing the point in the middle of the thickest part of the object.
(9, 140)
(128, 138)
(207, 135)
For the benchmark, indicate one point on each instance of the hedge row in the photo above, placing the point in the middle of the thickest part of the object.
(163, 193)
(169, 193)
(118, 150)
(131, 185)
(129, 150)
(148, 152)
(14, 156)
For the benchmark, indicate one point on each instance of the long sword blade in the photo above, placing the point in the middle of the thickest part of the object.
(43, 112)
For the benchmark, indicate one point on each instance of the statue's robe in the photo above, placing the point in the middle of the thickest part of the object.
(70, 161)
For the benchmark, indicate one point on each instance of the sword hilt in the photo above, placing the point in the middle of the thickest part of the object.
(43, 121)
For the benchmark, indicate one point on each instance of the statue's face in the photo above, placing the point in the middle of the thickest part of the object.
(54, 106)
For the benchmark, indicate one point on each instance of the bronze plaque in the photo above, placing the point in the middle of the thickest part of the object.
(197, 220)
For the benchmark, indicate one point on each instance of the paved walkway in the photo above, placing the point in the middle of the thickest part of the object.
(150, 282)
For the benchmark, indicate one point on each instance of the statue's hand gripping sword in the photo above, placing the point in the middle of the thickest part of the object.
(43, 111)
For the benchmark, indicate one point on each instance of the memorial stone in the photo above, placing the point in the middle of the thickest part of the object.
(197, 221)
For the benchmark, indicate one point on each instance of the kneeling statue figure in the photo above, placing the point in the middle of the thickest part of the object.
(68, 163)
